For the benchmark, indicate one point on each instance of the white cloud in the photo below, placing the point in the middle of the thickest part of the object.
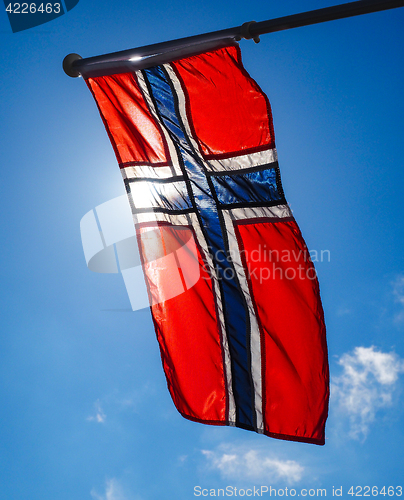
(113, 491)
(398, 292)
(343, 311)
(367, 384)
(99, 414)
(242, 463)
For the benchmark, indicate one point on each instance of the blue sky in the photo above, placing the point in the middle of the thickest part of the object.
(85, 413)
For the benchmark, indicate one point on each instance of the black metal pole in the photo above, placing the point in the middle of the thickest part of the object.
(160, 53)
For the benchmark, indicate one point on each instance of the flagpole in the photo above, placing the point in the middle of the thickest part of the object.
(160, 53)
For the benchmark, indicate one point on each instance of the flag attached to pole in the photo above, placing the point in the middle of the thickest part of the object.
(243, 344)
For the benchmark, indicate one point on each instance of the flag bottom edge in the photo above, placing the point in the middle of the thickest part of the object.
(275, 435)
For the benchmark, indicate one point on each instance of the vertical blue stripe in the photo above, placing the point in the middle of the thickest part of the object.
(235, 310)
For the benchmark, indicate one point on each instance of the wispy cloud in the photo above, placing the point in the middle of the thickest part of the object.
(367, 383)
(244, 463)
(99, 415)
(113, 491)
(398, 293)
(344, 311)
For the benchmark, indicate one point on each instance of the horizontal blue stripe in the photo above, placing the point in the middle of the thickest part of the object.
(168, 196)
(259, 186)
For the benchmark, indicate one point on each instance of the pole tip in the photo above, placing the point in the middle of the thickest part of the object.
(68, 65)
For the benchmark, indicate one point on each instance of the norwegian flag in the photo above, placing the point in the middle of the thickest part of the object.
(245, 345)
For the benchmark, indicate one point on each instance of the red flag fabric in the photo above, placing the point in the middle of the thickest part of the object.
(243, 340)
